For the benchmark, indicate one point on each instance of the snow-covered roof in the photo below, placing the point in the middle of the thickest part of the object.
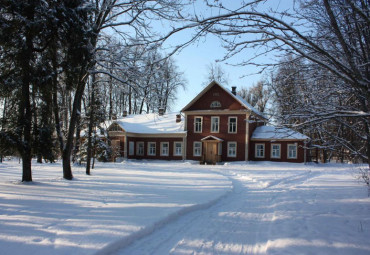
(151, 124)
(271, 132)
(241, 100)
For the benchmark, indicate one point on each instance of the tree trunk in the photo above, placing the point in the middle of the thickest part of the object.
(77, 136)
(91, 124)
(129, 101)
(25, 116)
(66, 155)
(110, 93)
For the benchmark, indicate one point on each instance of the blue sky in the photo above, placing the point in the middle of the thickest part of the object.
(195, 59)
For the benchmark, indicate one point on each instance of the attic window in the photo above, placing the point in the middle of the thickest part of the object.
(216, 94)
(215, 104)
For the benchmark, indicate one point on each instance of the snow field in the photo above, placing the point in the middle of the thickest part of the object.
(117, 204)
(157, 207)
(275, 208)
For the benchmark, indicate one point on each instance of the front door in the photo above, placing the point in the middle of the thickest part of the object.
(211, 153)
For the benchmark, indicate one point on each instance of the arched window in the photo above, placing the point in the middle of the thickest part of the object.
(215, 104)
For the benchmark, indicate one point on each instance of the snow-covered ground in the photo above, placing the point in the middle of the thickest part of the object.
(157, 207)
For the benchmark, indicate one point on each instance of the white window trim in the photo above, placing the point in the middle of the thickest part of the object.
(218, 124)
(296, 150)
(278, 144)
(236, 125)
(228, 148)
(155, 151)
(200, 149)
(137, 149)
(255, 150)
(201, 124)
(174, 148)
(168, 149)
(131, 144)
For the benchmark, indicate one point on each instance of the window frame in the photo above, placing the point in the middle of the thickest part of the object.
(236, 125)
(131, 148)
(174, 148)
(272, 150)
(256, 150)
(200, 149)
(138, 148)
(168, 149)
(218, 124)
(296, 150)
(195, 124)
(155, 149)
(228, 149)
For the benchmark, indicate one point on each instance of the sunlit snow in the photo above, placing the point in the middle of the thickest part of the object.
(164, 207)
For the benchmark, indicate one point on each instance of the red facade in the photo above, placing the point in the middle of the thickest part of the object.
(157, 140)
(283, 151)
(219, 127)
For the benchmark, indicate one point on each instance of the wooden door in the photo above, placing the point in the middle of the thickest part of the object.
(211, 153)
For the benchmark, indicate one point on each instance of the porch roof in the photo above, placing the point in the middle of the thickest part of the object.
(211, 137)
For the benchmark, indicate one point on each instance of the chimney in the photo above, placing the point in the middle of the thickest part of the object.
(160, 111)
(124, 114)
(178, 118)
(233, 90)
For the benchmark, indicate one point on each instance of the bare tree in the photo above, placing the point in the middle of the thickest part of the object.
(258, 95)
(216, 73)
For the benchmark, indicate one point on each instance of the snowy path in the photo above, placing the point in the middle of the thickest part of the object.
(272, 212)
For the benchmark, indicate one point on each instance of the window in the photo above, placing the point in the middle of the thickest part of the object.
(215, 104)
(198, 124)
(275, 150)
(131, 148)
(260, 150)
(177, 149)
(164, 149)
(215, 123)
(197, 149)
(231, 149)
(140, 148)
(232, 124)
(151, 149)
(292, 151)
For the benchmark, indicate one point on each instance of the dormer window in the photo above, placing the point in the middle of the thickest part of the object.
(215, 104)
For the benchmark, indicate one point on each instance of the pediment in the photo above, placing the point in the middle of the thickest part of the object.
(214, 97)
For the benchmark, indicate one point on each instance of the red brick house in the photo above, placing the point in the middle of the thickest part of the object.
(217, 125)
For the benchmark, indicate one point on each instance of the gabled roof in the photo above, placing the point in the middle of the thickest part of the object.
(151, 123)
(238, 98)
(275, 133)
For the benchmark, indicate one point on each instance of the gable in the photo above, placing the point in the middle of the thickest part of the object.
(114, 127)
(214, 97)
